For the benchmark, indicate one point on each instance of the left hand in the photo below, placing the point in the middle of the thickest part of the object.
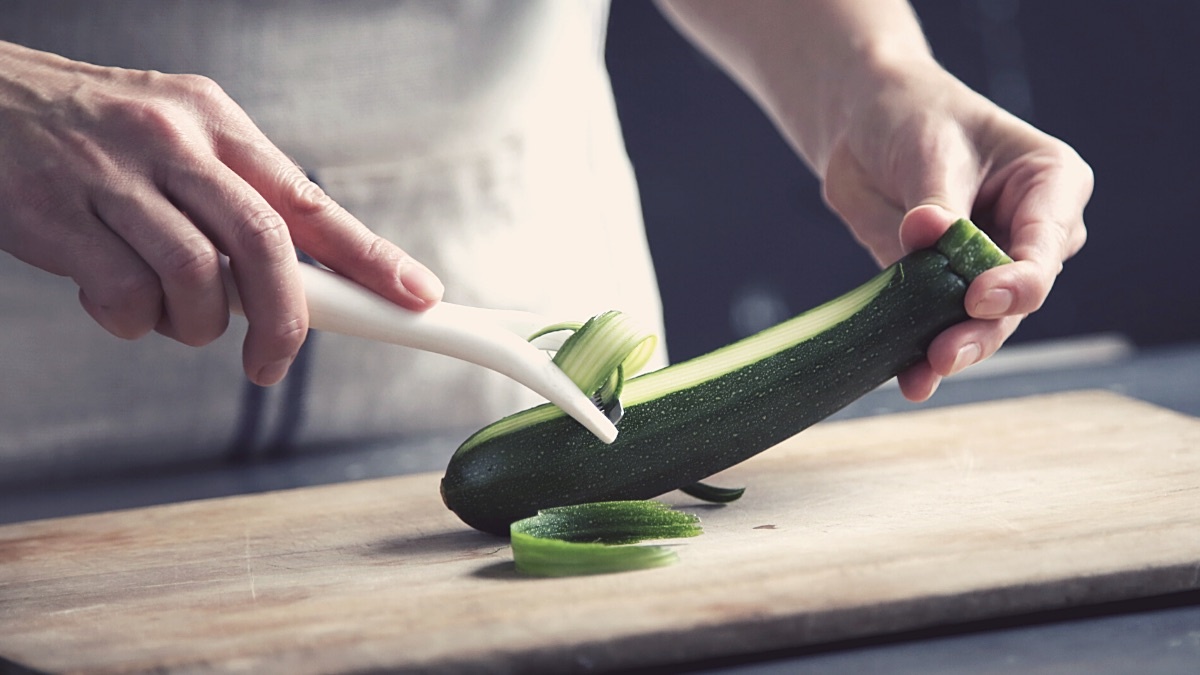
(921, 149)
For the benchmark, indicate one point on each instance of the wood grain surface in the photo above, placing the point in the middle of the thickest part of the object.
(854, 528)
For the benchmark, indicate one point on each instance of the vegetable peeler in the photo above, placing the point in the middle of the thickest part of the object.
(494, 339)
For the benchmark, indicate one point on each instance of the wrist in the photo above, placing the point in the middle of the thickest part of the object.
(805, 63)
(816, 117)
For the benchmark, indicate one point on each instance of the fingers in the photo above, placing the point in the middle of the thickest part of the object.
(1040, 209)
(1016, 289)
(968, 343)
(257, 215)
(331, 235)
(1044, 229)
(938, 192)
(277, 315)
(125, 181)
(954, 350)
(923, 225)
(262, 258)
(183, 261)
(325, 230)
(919, 382)
(116, 287)
(257, 206)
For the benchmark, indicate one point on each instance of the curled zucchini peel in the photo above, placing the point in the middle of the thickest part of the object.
(593, 538)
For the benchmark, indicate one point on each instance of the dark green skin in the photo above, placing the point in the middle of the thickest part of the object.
(687, 435)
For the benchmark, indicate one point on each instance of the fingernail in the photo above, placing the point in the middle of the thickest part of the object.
(968, 355)
(419, 281)
(273, 372)
(937, 382)
(994, 303)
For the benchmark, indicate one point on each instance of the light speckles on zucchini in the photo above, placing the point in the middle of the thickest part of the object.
(690, 420)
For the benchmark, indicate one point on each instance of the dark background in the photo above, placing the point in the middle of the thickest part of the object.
(743, 240)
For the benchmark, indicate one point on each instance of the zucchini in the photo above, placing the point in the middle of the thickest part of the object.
(690, 420)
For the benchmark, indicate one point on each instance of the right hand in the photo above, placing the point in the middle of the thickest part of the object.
(134, 183)
(919, 150)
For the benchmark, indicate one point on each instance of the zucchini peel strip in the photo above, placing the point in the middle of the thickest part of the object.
(596, 357)
(712, 493)
(589, 538)
(601, 351)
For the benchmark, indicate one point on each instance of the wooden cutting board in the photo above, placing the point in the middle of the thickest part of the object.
(850, 529)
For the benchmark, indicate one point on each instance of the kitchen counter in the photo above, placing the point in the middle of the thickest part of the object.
(1154, 635)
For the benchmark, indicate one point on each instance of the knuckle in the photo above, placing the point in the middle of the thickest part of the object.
(378, 259)
(833, 191)
(831, 194)
(191, 263)
(381, 251)
(1052, 246)
(1086, 175)
(128, 306)
(842, 199)
(179, 107)
(291, 333)
(1060, 159)
(303, 196)
(133, 289)
(161, 123)
(1036, 290)
(277, 339)
(1079, 237)
(156, 115)
(199, 89)
(261, 232)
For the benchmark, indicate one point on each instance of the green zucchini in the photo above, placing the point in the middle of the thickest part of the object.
(690, 420)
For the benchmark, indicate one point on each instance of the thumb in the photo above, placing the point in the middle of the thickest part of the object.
(924, 224)
(939, 187)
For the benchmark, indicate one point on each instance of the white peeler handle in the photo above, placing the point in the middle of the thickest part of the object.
(494, 339)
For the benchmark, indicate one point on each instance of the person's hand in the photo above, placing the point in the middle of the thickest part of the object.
(920, 149)
(896, 140)
(135, 183)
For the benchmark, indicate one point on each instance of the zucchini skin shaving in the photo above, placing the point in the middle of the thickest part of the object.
(591, 538)
(677, 435)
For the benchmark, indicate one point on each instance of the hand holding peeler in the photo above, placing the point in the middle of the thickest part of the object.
(494, 339)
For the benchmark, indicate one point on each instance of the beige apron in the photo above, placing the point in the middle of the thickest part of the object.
(480, 136)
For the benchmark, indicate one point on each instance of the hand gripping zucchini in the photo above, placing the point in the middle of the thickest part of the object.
(690, 420)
